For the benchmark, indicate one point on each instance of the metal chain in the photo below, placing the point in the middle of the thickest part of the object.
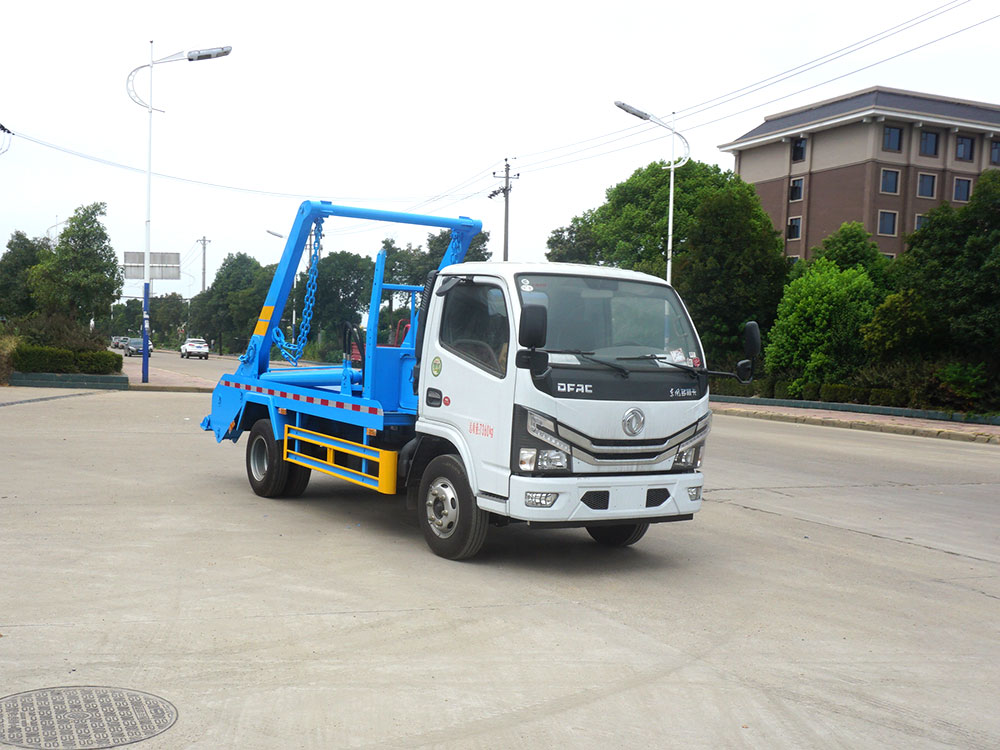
(292, 352)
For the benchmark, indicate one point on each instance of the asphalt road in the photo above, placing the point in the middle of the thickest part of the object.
(838, 589)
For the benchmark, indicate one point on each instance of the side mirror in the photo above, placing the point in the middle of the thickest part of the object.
(751, 339)
(532, 359)
(744, 371)
(532, 327)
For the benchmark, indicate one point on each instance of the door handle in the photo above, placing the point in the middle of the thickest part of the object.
(433, 397)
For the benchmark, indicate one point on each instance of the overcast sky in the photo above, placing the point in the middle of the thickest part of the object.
(413, 106)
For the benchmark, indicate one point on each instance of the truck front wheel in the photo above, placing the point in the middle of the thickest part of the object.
(618, 536)
(269, 474)
(453, 525)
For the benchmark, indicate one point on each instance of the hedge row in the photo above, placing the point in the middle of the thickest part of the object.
(829, 392)
(31, 358)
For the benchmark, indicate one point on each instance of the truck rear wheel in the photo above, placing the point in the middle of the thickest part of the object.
(269, 474)
(453, 525)
(618, 536)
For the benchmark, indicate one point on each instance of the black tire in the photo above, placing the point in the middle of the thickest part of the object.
(618, 536)
(298, 480)
(453, 525)
(267, 470)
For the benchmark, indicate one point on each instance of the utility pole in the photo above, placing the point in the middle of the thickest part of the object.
(203, 242)
(505, 191)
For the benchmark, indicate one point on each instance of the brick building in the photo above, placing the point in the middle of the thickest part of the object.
(880, 156)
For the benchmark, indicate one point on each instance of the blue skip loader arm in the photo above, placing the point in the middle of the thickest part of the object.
(253, 372)
(257, 358)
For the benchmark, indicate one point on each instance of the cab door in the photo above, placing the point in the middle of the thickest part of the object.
(467, 378)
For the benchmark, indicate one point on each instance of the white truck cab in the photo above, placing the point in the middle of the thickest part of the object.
(597, 419)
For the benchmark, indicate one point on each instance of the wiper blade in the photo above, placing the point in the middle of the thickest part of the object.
(623, 371)
(661, 359)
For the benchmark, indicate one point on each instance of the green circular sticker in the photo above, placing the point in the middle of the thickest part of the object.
(436, 366)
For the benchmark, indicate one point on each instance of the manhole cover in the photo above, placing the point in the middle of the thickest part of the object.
(82, 718)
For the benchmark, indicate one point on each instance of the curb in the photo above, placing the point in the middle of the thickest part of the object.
(855, 424)
(170, 388)
(68, 380)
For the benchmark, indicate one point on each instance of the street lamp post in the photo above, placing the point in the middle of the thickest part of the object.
(193, 56)
(674, 163)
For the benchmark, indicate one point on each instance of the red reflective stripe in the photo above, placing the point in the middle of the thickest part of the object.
(298, 397)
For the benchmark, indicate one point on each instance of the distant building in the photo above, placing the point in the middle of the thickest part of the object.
(881, 156)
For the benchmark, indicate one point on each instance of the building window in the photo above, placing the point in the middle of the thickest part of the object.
(795, 227)
(928, 143)
(892, 138)
(799, 149)
(887, 223)
(795, 189)
(890, 181)
(964, 148)
(995, 153)
(926, 185)
(963, 189)
(920, 220)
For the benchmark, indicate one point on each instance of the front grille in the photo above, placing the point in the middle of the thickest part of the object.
(596, 499)
(657, 497)
(602, 451)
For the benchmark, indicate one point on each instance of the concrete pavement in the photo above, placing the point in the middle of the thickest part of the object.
(837, 590)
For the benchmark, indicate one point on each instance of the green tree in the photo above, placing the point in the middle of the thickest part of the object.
(343, 291)
(948, 281)
(733, 269)
(852, 246)
(167, 314)
(630, 229)
(816, 337)
(227, 311)
(21, 255)
(575, 243)
(81, 277)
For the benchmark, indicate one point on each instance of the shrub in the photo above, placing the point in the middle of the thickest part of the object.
(32, 358)
(888, 397)
(835, 393)
(810, 391)
(99, 363)
(858, 394)
(765, 386)
(59, 331)
(7, 345)
(781, 389)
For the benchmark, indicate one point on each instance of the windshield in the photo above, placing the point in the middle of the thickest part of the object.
(611, 319)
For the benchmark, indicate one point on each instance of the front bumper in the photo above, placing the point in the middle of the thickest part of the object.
(585, 500)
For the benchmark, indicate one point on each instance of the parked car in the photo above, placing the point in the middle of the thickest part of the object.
(134, 346)
(118, 342)
(194, 348)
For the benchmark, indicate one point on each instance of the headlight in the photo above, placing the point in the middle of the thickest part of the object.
(689, 459)
(690, 454)
(537, 449)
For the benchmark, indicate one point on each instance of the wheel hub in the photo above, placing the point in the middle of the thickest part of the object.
(442, 508)
(258, 458)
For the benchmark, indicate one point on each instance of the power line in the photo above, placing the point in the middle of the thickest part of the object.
(623, 134)
(751, 88)
(536, 168)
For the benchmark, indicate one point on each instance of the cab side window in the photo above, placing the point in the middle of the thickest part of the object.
(474, 326)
